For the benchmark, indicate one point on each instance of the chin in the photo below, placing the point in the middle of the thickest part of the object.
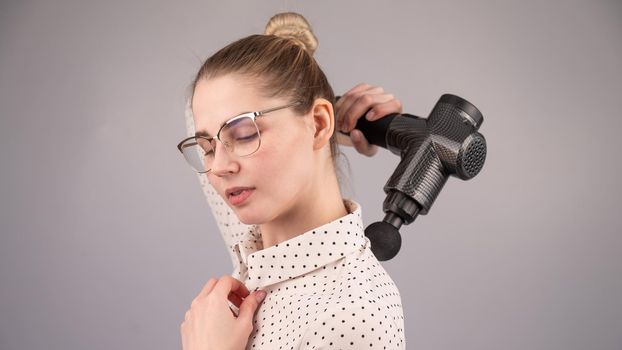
(248, 216)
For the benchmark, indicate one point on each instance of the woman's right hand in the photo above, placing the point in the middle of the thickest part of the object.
(351, 107)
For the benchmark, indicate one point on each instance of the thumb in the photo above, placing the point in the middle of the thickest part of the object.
(361, 144)
(250, 304)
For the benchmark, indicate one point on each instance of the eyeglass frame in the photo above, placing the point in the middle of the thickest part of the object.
(252, 115)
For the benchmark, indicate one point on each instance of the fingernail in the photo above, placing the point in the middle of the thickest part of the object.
(355, 135)
(260, 295)
(370, 115)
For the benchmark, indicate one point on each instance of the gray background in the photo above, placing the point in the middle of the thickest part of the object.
(106, 237)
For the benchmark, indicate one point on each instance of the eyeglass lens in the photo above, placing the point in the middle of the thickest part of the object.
(240, 136)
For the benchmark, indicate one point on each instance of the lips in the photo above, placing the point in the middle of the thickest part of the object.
(235, 190)
(238, 195)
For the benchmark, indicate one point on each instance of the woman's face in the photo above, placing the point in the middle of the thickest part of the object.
(280, 171)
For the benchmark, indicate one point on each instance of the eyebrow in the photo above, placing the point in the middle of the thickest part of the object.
(207, 134)
(202, 133)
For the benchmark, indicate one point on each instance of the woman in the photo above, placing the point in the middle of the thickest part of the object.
(265, 147)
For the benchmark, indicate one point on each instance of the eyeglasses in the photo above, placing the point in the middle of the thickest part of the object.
(240, 135)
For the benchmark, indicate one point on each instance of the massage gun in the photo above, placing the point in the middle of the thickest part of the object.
(446, 143)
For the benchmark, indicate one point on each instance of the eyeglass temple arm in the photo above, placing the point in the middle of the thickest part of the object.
(275, 109)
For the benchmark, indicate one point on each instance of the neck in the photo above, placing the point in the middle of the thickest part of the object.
(321, 203)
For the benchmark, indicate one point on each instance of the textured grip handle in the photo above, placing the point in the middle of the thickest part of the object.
(375, 131)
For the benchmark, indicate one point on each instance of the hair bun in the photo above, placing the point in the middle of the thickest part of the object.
(293, 26)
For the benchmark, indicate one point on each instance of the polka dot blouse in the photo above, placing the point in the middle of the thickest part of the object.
(325, 288)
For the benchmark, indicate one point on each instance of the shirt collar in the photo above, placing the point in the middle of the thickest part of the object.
(306, 252)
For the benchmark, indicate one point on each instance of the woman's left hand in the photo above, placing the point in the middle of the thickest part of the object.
(210, 323)
(353, 104)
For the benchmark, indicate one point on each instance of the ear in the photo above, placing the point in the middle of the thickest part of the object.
(323, 122)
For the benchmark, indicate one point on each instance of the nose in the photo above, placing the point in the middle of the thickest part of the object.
(224, 162)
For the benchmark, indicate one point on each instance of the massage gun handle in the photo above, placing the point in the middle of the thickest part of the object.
(375, 131)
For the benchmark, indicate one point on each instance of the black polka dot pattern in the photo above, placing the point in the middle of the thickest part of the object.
(326, 289)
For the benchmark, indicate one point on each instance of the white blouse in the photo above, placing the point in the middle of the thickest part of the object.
(325, 288)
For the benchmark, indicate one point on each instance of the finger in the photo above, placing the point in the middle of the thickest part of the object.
(357, 88)
(383, 109)
(360, 106)
(227, 284)
(351, 96)
(249, 306)
(343, 139)
(207, 288)
(235, 299)
(361, 144)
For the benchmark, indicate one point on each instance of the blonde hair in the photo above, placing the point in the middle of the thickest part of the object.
(281, 60)
(295, 27)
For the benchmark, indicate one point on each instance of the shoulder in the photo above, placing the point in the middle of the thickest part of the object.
(356, 326)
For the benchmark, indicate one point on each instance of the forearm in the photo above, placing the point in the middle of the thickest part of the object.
(226, 220)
